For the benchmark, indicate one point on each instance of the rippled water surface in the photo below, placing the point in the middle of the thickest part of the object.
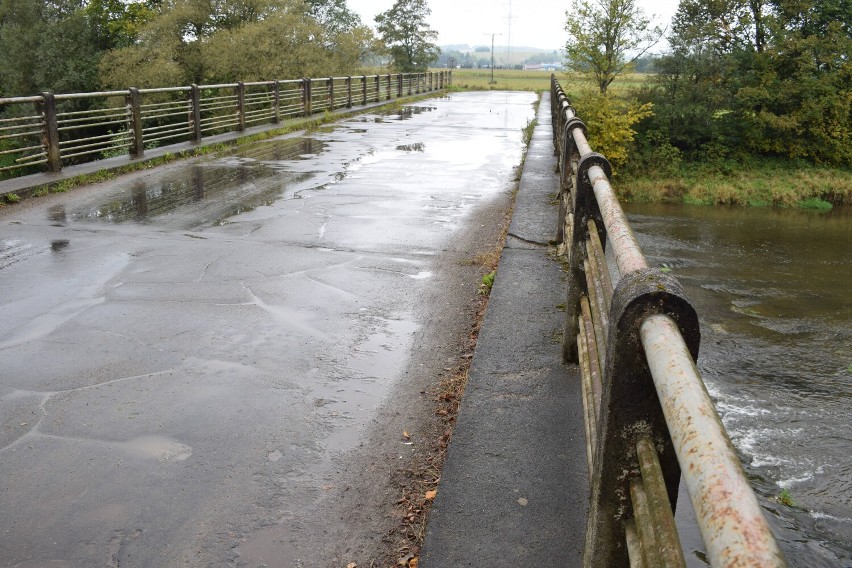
(773, 289)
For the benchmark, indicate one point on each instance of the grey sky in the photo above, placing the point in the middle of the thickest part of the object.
(535, 23)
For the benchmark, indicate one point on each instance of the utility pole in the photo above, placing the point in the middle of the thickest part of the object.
(492, 82)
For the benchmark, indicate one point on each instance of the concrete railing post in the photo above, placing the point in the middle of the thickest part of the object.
(241, 106)
(363, 89)
(50, 131)
(307, 96)
(276, 102)
(349, 92)
(629, 409)
(134, 123)
(195, 112)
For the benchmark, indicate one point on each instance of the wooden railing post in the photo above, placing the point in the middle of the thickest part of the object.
(399, 85)
(378, 87)
(390, 94)
(134, 123)
(195, 112)
(331, 93)
(410, 84)
(50, 131)
(241, 106)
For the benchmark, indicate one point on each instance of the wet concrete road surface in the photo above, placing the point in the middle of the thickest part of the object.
(189, 355)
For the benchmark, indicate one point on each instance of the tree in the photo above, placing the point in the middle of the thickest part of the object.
(407, 36)
(46, 46)
(606, 36)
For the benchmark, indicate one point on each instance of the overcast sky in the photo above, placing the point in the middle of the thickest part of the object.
(535, 23)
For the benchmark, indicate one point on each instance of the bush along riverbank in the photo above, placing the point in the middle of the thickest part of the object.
(754, 182)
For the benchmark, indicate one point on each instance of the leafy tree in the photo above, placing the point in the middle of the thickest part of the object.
(605, 37)
(202, 41)
(407, 36)
(769, 78)
(46, 46)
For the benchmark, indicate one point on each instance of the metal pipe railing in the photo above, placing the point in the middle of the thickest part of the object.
(649, 418)
(64, 126)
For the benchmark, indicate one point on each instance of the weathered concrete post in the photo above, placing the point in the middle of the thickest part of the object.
(276, 102)
(582, 207)
(630, 410)
(241, 106)
(399, 85)
(363, 89)
(307, 96)
(378, 88)
(390, 95)
(331, 93)
(134, 123)
(410, 84)
(50, 131)
(349, 92)
(195, 112)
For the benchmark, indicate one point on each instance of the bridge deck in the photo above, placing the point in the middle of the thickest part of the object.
(514, 490)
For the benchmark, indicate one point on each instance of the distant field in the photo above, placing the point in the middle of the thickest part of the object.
(518, 80)
(505, 80)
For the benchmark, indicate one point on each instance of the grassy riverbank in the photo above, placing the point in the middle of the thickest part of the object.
(756, 183)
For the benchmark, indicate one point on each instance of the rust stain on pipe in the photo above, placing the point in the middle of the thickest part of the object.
(729, 517)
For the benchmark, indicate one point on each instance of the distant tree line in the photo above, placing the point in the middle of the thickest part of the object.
(86, 45)
(760, 78)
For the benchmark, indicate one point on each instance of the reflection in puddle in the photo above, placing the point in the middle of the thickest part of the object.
(416, 147)
(409, 111)
(247, 177)
(59, 244)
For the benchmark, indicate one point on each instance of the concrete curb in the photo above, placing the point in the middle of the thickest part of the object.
(514, 490)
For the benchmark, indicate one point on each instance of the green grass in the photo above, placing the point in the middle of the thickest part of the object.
(519, 80)
(504, 80)
(755, 183)
(785, 498)
(487, 283)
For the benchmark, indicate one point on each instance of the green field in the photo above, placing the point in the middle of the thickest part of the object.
(518, 80)
(505, 80)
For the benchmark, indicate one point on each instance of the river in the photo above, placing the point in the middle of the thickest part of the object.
(772, 290)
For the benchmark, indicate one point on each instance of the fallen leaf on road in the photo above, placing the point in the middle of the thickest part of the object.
(431, 494)
(406, 435)
(352, 565)
(414, 562)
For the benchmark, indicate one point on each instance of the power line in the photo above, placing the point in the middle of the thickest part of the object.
(492, 57)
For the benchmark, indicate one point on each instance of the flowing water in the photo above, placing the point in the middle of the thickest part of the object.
(773, 290)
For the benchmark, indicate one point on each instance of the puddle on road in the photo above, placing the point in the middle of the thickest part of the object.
(409, 111)
(416, 147)
(247, 177)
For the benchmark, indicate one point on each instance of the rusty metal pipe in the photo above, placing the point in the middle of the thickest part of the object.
(582, 144)
(734, 530)
(628, 255)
